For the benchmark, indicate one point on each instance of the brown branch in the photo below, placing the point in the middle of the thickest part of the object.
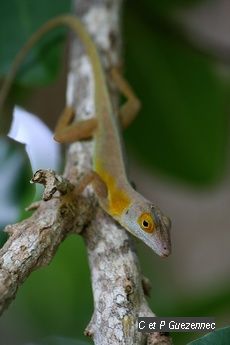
(116, 277)
(34, 241)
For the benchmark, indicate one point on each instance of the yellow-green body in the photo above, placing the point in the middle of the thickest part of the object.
(121, 201)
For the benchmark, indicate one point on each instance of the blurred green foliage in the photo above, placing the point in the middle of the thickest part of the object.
(19, 20)
(3, 238)
(182, 127)
(218, 337)
(181, 132)
(59, 341)
(15, 173)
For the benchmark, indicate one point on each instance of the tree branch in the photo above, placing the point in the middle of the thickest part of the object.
(34, 241)
(116, 277)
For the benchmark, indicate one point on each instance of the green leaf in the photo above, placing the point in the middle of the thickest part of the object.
(182, 128)
(15, 173)
(19, 19)
(3, 238)
(219, 337)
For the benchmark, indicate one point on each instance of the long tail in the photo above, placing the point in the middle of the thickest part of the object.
(78, 28)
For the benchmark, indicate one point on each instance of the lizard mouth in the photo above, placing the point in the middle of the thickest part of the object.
(161, 248)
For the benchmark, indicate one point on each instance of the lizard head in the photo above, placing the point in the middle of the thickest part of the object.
(147, 222)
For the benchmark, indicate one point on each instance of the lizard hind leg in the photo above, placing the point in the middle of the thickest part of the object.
(131, 107)
(67, 132)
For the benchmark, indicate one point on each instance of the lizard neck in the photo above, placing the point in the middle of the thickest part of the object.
(118, 199)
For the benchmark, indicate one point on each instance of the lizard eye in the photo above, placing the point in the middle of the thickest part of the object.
(146, 222)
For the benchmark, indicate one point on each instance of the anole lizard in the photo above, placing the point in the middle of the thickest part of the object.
(114, 192)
